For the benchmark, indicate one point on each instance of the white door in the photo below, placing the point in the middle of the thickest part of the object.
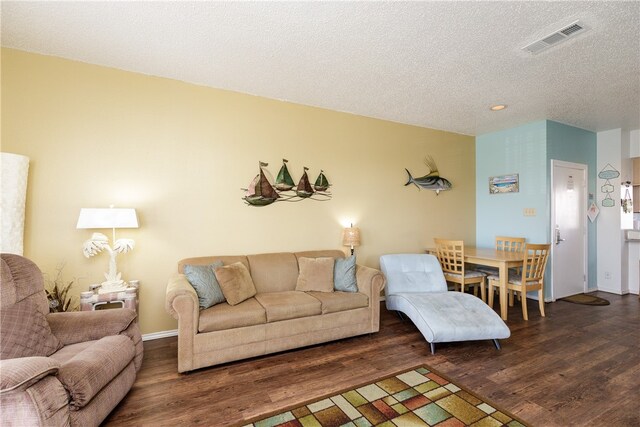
(568, 229)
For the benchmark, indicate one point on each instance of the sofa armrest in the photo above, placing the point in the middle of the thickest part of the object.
(182, 303)
(25, 371)
(179, 288)
(370, 281)
(80, 326)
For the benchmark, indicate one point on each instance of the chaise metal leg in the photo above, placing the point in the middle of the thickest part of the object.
(497, 344)
(433, 347)
(400, 315)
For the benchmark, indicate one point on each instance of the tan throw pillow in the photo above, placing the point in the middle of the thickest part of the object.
(235, 282)
(316, 274)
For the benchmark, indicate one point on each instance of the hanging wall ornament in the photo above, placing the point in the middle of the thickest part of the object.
(627, 201)
(608, 173)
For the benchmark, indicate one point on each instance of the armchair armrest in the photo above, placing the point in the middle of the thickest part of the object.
(22, 372)
(30, 393)
(80, 326)
(370, 281)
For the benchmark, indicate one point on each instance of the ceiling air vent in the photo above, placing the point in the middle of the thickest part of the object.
(556, 37)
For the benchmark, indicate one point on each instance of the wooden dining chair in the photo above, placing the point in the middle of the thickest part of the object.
(530, 279)
(450, 253)
(508, 244)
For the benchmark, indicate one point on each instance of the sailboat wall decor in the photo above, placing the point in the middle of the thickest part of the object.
(284, 182)
(262, 193)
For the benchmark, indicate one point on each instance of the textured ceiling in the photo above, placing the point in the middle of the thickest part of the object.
(433, 64)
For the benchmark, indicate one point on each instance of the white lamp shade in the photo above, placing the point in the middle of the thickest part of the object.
(107, 218)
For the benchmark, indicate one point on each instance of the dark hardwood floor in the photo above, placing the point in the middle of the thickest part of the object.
(580, 366)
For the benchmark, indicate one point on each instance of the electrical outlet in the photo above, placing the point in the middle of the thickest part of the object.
(607, 275)
(529, 212)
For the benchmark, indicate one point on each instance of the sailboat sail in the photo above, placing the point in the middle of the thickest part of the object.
(284, 182)
(260, 191)
(304, 188)
(321, 183)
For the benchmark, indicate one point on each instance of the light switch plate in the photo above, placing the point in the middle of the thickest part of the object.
(529, 211)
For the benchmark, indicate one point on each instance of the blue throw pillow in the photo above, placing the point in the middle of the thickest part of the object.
(203, 279)
(344, 275)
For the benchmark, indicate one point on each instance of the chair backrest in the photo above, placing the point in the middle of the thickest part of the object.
(535, 262)
(411, 273)
(24, 330)
(510, 244)
(451, 255)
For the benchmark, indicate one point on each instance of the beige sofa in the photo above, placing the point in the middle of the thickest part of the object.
(277, 318)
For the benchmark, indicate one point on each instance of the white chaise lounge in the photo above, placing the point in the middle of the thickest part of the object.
(417, 288)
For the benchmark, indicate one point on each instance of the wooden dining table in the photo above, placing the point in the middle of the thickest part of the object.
(502, 260)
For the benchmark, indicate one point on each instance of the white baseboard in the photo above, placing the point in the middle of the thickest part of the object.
(158, 335)
(612, 290)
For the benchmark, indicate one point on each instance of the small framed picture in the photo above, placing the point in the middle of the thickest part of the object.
(504, 184)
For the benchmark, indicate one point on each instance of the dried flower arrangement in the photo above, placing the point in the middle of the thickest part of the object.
(57, 290)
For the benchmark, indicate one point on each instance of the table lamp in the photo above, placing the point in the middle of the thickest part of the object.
(351, 237)
(108, 218)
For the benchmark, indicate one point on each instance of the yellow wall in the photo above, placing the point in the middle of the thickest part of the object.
(179, 154)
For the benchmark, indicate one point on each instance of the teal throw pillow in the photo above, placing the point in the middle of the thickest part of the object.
(203, 279)
(344, 275)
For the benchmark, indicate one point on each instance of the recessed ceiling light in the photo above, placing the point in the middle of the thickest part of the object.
(498, 107)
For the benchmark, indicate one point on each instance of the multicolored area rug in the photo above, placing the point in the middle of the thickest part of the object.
(417, 397)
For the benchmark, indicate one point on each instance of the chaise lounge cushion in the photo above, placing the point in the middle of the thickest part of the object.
(288, 305)
(333, 302)
(224, 316)
(417, 287)
(450, 316)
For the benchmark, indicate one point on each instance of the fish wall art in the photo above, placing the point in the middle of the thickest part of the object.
(432, 180)
(262, 193)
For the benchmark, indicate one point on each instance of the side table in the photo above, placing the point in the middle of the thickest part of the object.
(91, 300)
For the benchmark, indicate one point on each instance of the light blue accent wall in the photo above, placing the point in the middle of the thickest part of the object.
(576, 145)
(527, 150)
(521, 150)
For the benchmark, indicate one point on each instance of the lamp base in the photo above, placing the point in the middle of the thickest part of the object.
(112, 286)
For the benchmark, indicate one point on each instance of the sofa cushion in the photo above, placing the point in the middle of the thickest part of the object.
(316, 274)
(340, 301)
(344, 275)
(288, 305)
(235, 282)
(224, 316)
(333, 253)
(206, 260)
(276, 272)
(89, 371)
(203, 279)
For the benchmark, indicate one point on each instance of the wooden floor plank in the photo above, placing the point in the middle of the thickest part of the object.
(580, 365)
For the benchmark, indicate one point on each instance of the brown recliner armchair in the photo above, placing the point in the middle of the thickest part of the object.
(60, 368)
